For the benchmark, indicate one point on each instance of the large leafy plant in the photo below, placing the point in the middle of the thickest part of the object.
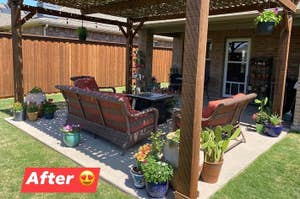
(271, 15)
(214, 142)
(157, 171)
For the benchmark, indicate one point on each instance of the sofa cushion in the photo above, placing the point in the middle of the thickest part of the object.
(87, 84)
(124, 98)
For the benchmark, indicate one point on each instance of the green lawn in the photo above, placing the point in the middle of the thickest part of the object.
(18, 151)
(275, 174)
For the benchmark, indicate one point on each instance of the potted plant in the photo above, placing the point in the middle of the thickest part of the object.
(136, 171)
(18, 111)
(267, 20)
(273, 126)
(82, 33)
(171, 148)
(71, 135)
(262, 115)
(214, 143)
(157, 143)
(36, 96)
(157, 176)
(32, 111)
(260, 119)
(49, 109)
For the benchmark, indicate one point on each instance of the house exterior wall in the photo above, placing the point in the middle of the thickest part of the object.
(261, 46)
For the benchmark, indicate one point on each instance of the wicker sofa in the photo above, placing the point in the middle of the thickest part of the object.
(109, 115)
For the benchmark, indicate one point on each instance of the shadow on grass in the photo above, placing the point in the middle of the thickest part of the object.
(7, 112)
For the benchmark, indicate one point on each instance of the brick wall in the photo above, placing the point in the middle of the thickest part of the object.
(260, 46)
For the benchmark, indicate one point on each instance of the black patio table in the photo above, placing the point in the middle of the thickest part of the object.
(157, 100)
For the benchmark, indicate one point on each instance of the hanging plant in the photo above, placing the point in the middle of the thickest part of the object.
(267, 20)
(82, 33)
(140, 58)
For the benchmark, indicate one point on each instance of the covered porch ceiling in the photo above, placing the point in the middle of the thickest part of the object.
(149, 10)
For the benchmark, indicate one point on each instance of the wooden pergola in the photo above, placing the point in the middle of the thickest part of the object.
(196, 13)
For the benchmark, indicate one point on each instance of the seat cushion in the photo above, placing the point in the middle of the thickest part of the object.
(211, 107)
(86, 84)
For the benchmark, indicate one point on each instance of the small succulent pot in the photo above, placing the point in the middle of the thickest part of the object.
(157, 190)
(211, 171)
(273, 131)
(138, 178)
(260, 128)
(19, 116)
(32, 116)
(71, 139)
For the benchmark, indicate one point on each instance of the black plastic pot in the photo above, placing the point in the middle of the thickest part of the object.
(265, 27)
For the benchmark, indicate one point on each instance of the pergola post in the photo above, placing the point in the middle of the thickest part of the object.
(146, 46)
(282, 65)
(129, 48)
(192, 98)
(16, 29)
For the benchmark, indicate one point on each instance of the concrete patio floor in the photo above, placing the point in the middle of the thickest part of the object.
(96, 152)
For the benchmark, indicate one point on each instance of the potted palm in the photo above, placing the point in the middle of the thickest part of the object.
(157, 176)
(49, 109)
(71, 135)
(273, 126)
(32, 111)
(214, 143)
(267, 20)
(18, 111)
(136, 171)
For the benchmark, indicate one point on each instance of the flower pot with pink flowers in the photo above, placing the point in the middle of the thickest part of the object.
(71, 137)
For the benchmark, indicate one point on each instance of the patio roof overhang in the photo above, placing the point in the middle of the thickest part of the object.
(196, 13)
(147, 10)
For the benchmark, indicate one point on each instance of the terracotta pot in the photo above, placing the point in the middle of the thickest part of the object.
(210, 171)
(32, 116)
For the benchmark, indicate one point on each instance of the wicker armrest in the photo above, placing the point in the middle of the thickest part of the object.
(112, 88)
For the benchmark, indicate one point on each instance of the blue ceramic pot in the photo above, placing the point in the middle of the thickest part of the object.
(71, 139)
(273, 131)
(138, 179)
(49, 116)
(157, 190)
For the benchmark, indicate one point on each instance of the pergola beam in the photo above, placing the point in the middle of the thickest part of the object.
(289, 5)
(57, 13)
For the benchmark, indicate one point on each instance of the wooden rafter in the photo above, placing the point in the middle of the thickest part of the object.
(145, 10)
(71, 15)
(27, 17)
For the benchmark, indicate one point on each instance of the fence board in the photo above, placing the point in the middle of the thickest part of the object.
(52, 61)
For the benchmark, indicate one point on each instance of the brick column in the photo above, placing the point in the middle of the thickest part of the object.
(145, 44)
(296, 121)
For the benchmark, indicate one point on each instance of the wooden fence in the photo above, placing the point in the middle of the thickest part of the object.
(51, 61)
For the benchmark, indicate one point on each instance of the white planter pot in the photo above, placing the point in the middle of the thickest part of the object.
(171, 153)
(37, 98)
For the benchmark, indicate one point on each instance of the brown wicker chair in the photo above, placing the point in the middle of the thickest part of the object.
(226, 111)
(108, 116)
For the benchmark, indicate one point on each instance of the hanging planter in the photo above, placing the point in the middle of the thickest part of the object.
(267, 20)
(82, 33)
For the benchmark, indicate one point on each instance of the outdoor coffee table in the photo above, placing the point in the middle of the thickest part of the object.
(145, 100)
